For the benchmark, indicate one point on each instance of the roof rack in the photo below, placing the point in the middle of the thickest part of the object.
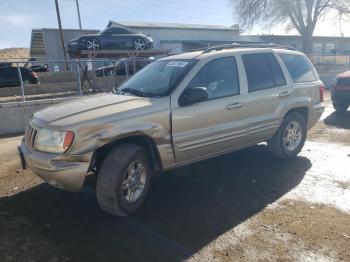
(235, 45)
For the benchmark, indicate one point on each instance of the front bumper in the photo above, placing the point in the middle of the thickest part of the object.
(74, 48)
(67, 172)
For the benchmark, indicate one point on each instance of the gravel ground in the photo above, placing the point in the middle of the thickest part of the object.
(244, 206)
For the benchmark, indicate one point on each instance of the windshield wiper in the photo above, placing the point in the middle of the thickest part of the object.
(132, 91)
(137, 92)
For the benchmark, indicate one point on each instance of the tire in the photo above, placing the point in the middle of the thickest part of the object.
(139, 44)
(93, 44)
(340, 107)
(279, 145)
(113, 174)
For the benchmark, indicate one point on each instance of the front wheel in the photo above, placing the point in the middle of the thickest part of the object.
(290, 137)
(124, 180)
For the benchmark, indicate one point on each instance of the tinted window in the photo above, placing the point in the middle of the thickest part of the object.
(299, 68)
(219, 76)
(276, 70)
(116, 31)
(259, 73)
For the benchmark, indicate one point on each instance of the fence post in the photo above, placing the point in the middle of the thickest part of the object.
(21, 82)
(78, 76)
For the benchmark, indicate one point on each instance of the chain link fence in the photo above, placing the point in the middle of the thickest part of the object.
(22, 80)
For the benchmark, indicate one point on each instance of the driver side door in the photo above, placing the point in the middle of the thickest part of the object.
(215, 125)
(116, 38)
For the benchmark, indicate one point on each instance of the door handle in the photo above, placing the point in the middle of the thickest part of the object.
(284, 93)
(234, 105)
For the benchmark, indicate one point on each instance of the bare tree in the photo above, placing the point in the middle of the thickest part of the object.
(301, 15)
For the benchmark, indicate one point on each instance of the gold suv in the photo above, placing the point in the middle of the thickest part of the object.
(177, 110)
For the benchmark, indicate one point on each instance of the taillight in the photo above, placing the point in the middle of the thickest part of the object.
(322, 88)
(34, 74)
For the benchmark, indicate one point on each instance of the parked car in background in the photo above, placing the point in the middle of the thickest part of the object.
(9, 76)
(341, 92)
(121, 66)
(110, 38)
(40, 68)
(178, 110)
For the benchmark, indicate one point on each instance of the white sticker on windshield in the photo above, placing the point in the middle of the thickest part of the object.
(177, 63)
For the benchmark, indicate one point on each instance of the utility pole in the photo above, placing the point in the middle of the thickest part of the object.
(61, 33)
(78, 10)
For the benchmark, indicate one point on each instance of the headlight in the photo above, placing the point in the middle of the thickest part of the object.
(52, 141)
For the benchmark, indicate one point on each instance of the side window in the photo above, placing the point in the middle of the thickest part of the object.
(263, 71)
(119, 31)
(299, 68)
(219, 76)
(276, 70)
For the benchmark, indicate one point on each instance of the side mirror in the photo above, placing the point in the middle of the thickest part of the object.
(193, 95)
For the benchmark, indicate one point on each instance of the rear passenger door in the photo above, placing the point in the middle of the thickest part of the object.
(267, 90)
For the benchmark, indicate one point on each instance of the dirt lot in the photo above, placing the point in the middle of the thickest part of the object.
(244, 206)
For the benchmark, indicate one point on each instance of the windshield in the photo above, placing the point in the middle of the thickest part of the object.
(158, 78)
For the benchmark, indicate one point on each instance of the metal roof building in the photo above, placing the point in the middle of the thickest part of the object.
(182, 37)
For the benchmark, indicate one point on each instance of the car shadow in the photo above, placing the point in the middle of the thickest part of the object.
(338, 119)
(186, 210)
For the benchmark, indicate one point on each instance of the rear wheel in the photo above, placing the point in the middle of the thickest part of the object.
(93, 44)
(290, 137)
(124, 180)
(139, 44)
(340, 107)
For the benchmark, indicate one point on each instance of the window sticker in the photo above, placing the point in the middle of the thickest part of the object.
(177, 64)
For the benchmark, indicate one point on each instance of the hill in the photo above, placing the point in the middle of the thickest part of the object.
(11, 53)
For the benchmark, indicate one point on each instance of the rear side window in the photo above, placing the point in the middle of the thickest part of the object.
(343, 81)
(263, 71)
(276, 70)
(299, 68)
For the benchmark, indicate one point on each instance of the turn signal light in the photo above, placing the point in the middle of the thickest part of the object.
(68, 140)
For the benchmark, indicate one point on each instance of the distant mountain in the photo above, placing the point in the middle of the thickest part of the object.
(7, 53)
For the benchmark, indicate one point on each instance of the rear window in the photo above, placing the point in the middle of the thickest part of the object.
(263, 71)
(343, 81)
(299, 68)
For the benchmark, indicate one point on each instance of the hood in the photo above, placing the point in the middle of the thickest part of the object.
(91, 108)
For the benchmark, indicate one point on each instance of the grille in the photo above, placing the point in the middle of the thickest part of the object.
(30, 135)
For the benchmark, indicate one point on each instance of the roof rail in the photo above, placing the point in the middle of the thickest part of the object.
(235, 45)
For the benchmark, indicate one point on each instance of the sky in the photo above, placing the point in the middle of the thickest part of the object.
(18, 17)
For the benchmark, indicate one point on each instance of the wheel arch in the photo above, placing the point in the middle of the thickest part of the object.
(142, 140)
(304, 111)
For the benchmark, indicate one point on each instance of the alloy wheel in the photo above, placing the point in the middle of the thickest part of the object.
(92, 44)
(139, 44)
(134, 181)
(292, 136)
